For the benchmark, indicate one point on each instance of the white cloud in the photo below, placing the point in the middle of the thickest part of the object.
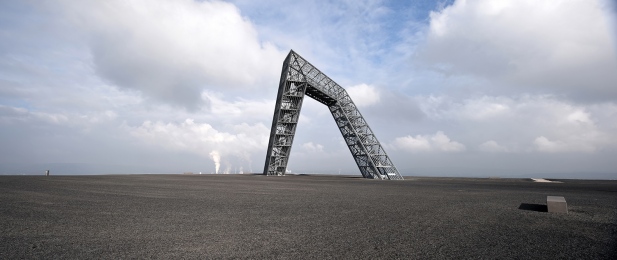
(492, 146)
(363, 95)
(9, 114)
(575, 144)
(201, 138)
(560, 46)
(410, 143)
(573, 130)
(85, 75)
(541, 123)
(312, 147)
(422, 143)
(171, 50)
(240, 109)
(476, 108)
(341, 38)
(570, 128)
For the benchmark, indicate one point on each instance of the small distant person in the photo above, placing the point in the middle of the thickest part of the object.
(47, 173)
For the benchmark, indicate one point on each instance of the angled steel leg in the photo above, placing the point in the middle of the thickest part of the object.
(285, 120)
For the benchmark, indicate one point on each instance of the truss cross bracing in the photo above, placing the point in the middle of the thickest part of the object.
(300, 78)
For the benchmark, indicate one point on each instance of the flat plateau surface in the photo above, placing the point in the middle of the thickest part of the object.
(291, 217)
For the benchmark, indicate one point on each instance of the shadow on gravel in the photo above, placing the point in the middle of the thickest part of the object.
(533, 207)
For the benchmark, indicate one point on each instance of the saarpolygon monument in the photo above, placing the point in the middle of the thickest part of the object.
(300, 78)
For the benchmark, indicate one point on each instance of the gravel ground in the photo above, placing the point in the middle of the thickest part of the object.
(254, 216)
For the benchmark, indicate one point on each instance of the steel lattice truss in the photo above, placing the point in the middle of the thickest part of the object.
(300, 78)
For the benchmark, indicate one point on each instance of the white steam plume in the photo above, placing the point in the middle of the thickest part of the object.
(228, 168)
(216, 157)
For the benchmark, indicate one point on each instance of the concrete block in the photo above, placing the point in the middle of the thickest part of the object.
(556, 204)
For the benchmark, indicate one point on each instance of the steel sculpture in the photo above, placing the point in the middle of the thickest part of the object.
(300, 78)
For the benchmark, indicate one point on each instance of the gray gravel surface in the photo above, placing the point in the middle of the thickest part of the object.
(291, 217)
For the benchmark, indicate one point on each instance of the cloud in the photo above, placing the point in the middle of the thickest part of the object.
(520, 124)
(11, 115)
(394, 108)
(543, 144)
(240, 109)
(172, 50)
(201, 138)
(312, 147)
(341, 38)
(492, 146)
(539, 47)
(476, 108)
(364, 95)
(511, 83)
(574, 131)
(422, 143)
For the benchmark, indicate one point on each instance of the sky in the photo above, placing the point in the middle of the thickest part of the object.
(476, 88)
